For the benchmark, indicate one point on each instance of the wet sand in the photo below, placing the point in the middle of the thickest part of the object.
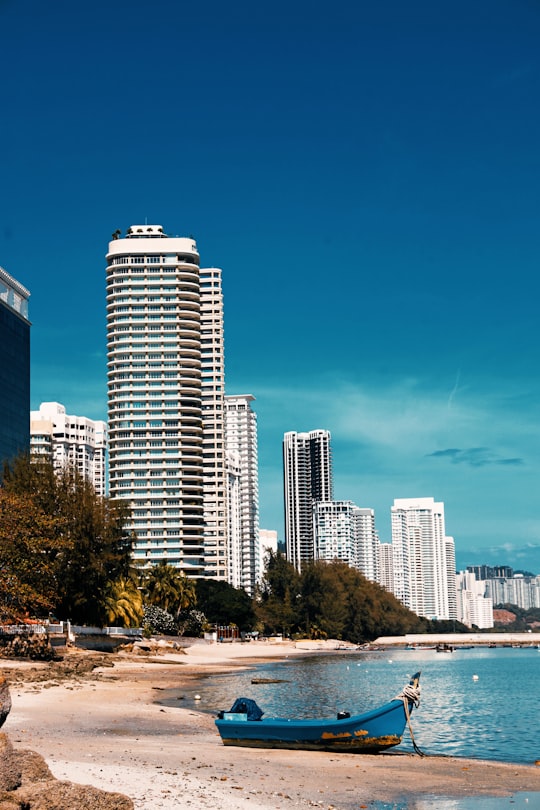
(109, 730)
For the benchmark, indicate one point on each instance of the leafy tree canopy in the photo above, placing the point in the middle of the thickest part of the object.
(87, 545)
(330, 600)
(29, 542)
(277, 604)
(168, 587)
(223, 604)
(123, 602)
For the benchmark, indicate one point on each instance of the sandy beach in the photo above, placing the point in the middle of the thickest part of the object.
(107, 729)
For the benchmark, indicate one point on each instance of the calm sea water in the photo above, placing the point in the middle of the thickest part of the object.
(478, 703)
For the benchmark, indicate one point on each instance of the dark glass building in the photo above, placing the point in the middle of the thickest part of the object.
(14, 368)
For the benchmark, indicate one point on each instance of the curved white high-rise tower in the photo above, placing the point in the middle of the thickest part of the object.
(154, 393)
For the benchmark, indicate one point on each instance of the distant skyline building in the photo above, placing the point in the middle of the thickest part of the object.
(491, 571)
(242, 451)
(335, 536)
(166, 421)
(367, 543)
(518, 589)
(346, 532)
(268, 540)
(504, 587)
(386, 567)
(307, 474)
(420, 557)
(66, 440)
(473, 607)
(213, 422)
(268, 543)
(451, 576)
(14, 368)
(234, 517)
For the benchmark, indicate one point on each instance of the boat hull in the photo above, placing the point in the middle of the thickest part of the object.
(342, 747)
(370, 732)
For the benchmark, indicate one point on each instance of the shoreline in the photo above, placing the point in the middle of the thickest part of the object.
(107, 728)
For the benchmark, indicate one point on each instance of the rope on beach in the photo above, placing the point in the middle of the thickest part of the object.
(411, 694)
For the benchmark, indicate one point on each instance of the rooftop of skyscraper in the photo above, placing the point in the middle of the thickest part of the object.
(13, 293)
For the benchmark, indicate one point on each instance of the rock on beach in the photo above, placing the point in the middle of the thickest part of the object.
(5, 700)
(27, 782)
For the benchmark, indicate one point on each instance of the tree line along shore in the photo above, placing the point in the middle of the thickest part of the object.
(65, 554)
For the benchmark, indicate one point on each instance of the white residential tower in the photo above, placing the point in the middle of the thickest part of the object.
(344, 531)
(307, 478)
(165, 394)
(420, 548)
(70, 441)
(244, 549)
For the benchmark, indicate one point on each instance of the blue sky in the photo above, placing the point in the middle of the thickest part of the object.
(366, 174)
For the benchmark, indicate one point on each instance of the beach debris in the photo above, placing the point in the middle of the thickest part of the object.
(269, 680)
(36, 647)
(196, 697)
(74, 666)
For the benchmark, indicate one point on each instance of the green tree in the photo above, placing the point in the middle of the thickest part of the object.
(90, 546)
(372, 611)
(277, 602)
(29, 543)
(168, 587)
(192, 623)
(223, 604)
(123, 602)
(330, 600)
(323, 602)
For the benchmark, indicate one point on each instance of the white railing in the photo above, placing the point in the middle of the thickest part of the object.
(20, 629)
(105, 631)
(66, 627)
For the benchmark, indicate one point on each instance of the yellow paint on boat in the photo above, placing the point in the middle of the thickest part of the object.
(328, 735)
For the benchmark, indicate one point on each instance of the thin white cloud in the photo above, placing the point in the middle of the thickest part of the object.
(394, 440)
(407, 416)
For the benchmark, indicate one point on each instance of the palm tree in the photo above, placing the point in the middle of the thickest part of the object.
(168, 588)
(122, 603)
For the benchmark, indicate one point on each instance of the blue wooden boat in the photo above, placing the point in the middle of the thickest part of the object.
(369, 732)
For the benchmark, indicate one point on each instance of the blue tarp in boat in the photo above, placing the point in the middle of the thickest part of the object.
(247, 706)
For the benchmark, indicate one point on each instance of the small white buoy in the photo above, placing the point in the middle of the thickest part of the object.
(390, 661)
(475, 677)
(197, 697)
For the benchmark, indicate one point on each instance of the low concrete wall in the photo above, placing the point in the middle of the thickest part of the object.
(458, 639)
